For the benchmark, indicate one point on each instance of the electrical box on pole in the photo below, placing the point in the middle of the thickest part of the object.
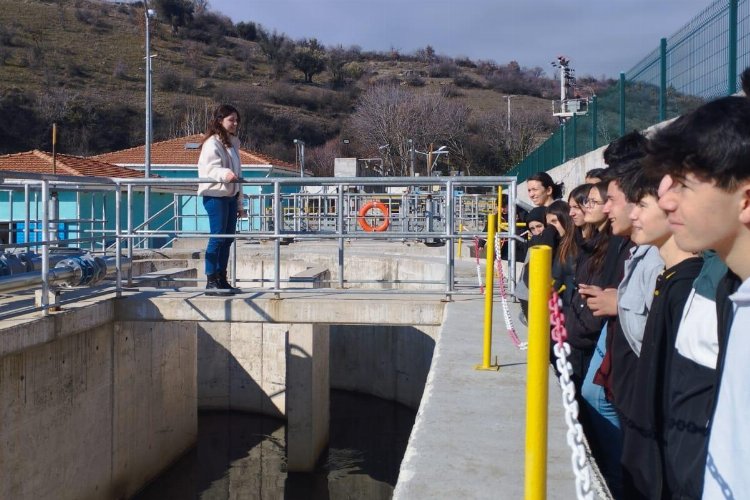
(570, 102)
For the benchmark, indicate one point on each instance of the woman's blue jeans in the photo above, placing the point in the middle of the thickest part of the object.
(222, 219)
(604, 429)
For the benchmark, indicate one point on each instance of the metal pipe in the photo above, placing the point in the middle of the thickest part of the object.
(147, 161)
(45, 249)
(118, 242)
(130, 231)
(276, 232)
(450, 249)
(341, 231)
(59, 274)
(27, 216)
(512, 195)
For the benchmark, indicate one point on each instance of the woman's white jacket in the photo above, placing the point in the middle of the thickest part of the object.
(216, 163)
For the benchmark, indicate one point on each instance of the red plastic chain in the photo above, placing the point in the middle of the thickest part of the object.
(557, 319)
(501, 284)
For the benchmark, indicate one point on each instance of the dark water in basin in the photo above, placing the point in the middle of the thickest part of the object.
(242, 456)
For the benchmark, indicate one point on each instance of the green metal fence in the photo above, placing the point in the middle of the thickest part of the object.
(700, 62)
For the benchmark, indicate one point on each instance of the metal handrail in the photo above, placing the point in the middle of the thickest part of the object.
(431, 214)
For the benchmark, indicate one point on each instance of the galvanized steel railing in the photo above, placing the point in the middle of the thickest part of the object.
(425, 209)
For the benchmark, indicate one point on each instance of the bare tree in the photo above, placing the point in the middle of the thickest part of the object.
(189, 116)
(321, 159)
(278, 49)
(389, 116)
(505, 148)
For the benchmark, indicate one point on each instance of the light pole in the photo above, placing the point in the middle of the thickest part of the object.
(150, 13)
(507, 98)
(442, 150)
(300, 153)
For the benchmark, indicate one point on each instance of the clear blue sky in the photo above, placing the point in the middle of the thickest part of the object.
(601, 37)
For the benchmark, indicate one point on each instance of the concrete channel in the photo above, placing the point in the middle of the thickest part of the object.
(99, 398)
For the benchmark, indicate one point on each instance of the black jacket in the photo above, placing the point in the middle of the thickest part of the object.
(644, 415)
(582, 326)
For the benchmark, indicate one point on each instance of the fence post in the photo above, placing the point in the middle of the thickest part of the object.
(537, 374)
(488, 297)
(594, 124)
(622, 104)
(663, 80)
(732, 49)
(574, 136)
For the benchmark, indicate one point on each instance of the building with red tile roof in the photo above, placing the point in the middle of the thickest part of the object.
(182, 154)
(41, 162)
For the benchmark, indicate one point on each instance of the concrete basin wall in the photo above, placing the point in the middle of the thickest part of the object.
(390, 362)
(91, 407)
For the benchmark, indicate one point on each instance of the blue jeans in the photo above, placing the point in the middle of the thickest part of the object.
(222, 219)
(604, 430)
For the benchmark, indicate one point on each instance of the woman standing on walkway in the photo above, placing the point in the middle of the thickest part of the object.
(220, 160)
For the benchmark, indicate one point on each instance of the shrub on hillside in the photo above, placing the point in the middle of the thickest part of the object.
(465, 62)
(209, 28)
(221, 68)
(443, 69)
(466, 82)
(414, 80)
(450, 91)
(247, 31)
(168, 81)
(9, 37)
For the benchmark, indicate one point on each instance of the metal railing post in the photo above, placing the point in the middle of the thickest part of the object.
(277, 240)
(27, 216)
(663, 80)
(118, 242)
(450, 250)
(131, 239)
(732, 49)
(45, 248)
(622, 104)
(341, 231)
(512, 196)
(537, 373)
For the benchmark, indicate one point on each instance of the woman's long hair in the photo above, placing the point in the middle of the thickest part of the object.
(601, 240)
(567, 248)
(579, 195)
(215, 126)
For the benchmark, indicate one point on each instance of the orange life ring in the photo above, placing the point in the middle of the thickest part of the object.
(363, 213)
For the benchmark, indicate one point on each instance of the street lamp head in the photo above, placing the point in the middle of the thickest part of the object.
(150, 13)
(441, 148)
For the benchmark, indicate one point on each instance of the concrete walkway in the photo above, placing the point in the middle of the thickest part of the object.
(469, 436)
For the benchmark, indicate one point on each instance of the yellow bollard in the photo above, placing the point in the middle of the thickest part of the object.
(460, 229)
(537, 373)
(489, 279)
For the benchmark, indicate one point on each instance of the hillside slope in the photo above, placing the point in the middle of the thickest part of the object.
(81, 64)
